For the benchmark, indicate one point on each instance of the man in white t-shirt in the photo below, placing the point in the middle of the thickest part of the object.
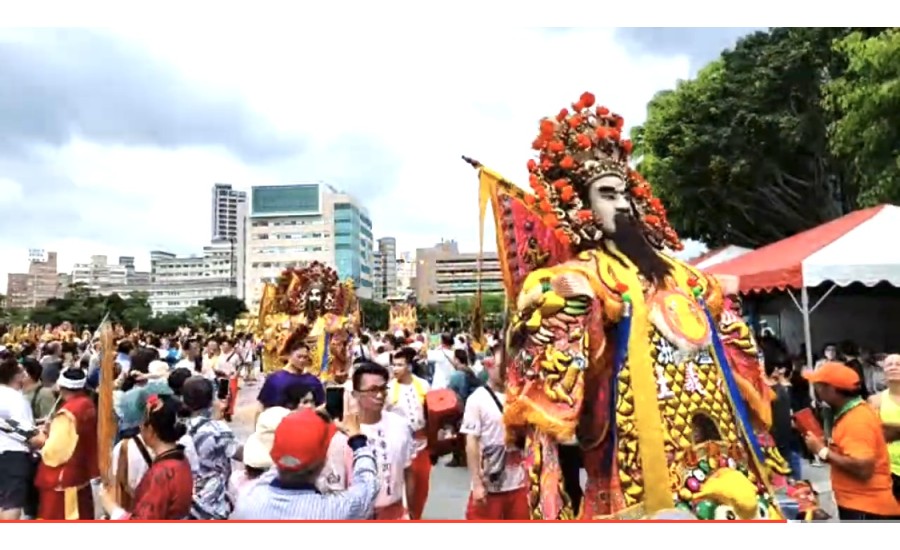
(389, 436)
(210, 360)
(442, 359)
(385, 350)
(498, 476)
(189, 354)
(17, 438)
(406, 397)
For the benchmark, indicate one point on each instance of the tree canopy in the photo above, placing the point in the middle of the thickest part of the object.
(865, 107)
(742, 153)
(456, 314)
(224, 309)
(86, 310)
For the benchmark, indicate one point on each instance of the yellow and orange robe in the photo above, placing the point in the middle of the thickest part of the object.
(69, 463)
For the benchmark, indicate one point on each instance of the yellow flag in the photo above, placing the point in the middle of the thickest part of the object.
(266, 303)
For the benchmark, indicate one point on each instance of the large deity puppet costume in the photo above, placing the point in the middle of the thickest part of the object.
(310, 303)
(614, 342)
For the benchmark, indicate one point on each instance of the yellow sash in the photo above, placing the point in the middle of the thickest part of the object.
(417, 384)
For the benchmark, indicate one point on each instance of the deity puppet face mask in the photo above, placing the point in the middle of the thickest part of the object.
(608, 197)
(315, 296)
(582, 179)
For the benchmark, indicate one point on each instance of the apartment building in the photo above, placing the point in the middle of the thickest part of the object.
(41, 283)
(179, 282)
(443, 273)
(227, 204)
(229, 219)
(385, 269)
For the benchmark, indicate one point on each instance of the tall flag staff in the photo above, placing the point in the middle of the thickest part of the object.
(107, 425)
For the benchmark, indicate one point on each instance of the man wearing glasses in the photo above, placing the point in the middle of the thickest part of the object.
(389, 436)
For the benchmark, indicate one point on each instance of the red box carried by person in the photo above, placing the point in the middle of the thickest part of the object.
(806, 422)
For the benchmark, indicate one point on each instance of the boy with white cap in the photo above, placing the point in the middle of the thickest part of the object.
(255, 455)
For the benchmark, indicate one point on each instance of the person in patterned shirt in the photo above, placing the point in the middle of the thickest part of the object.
(210, 446)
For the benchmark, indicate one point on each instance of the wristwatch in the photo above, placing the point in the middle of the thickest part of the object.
(823, 454)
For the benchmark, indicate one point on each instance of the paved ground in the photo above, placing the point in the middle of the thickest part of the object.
(450, 486)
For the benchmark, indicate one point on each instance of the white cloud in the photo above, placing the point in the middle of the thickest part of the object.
(384, 115)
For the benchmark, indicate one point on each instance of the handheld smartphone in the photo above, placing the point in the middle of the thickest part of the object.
(334, 402)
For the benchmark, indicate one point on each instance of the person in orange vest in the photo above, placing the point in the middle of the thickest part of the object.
(406, 397)
(69, 457)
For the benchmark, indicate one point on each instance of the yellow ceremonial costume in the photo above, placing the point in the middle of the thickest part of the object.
(403, 317)
(309, 303)
(619, 349)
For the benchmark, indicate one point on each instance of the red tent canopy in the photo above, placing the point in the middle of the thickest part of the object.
(780, 264)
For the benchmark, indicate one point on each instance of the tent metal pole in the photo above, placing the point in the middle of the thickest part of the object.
(807, 331)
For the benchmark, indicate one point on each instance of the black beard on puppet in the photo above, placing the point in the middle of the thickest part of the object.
(630, 241)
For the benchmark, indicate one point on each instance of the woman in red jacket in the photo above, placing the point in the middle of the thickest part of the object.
(166, 490)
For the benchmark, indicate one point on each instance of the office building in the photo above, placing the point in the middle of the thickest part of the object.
(28, 290)
(385, 269)
(105, 278)
(295, 224)
(406, 274)
(177, 283)
(229, 219)
(444, 274)
(226, 209)
(378, 293)
(132, 276)
(98, 273)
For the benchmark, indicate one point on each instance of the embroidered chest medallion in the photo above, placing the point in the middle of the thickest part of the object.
(680, 319)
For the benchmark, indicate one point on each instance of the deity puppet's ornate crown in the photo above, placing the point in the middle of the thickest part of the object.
(575, 148)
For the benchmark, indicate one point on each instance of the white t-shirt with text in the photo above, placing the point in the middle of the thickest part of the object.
(394, 447)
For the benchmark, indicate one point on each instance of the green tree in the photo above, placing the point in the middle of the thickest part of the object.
(224, 309)
(167, 323)
(197, 316)
(740, 154)
(865, 105)
(135, 310)
(375, 315)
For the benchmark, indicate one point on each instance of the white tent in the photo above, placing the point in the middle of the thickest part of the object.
(857, 248)
(868, 254)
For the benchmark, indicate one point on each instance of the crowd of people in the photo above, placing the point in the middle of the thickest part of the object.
(357, 450)
(860, 443)
(364, 455)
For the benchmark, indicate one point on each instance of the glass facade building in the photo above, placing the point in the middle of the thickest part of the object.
(285, 200)
(352, 244)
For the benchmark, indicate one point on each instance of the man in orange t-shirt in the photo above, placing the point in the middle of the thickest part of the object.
(858, 455)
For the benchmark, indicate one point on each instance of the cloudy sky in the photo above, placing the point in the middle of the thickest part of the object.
(110, 142)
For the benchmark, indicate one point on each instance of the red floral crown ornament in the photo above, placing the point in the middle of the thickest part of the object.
(575, 148)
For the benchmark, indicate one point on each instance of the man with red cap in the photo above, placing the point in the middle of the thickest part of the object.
(858, 455)
(299, 452)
